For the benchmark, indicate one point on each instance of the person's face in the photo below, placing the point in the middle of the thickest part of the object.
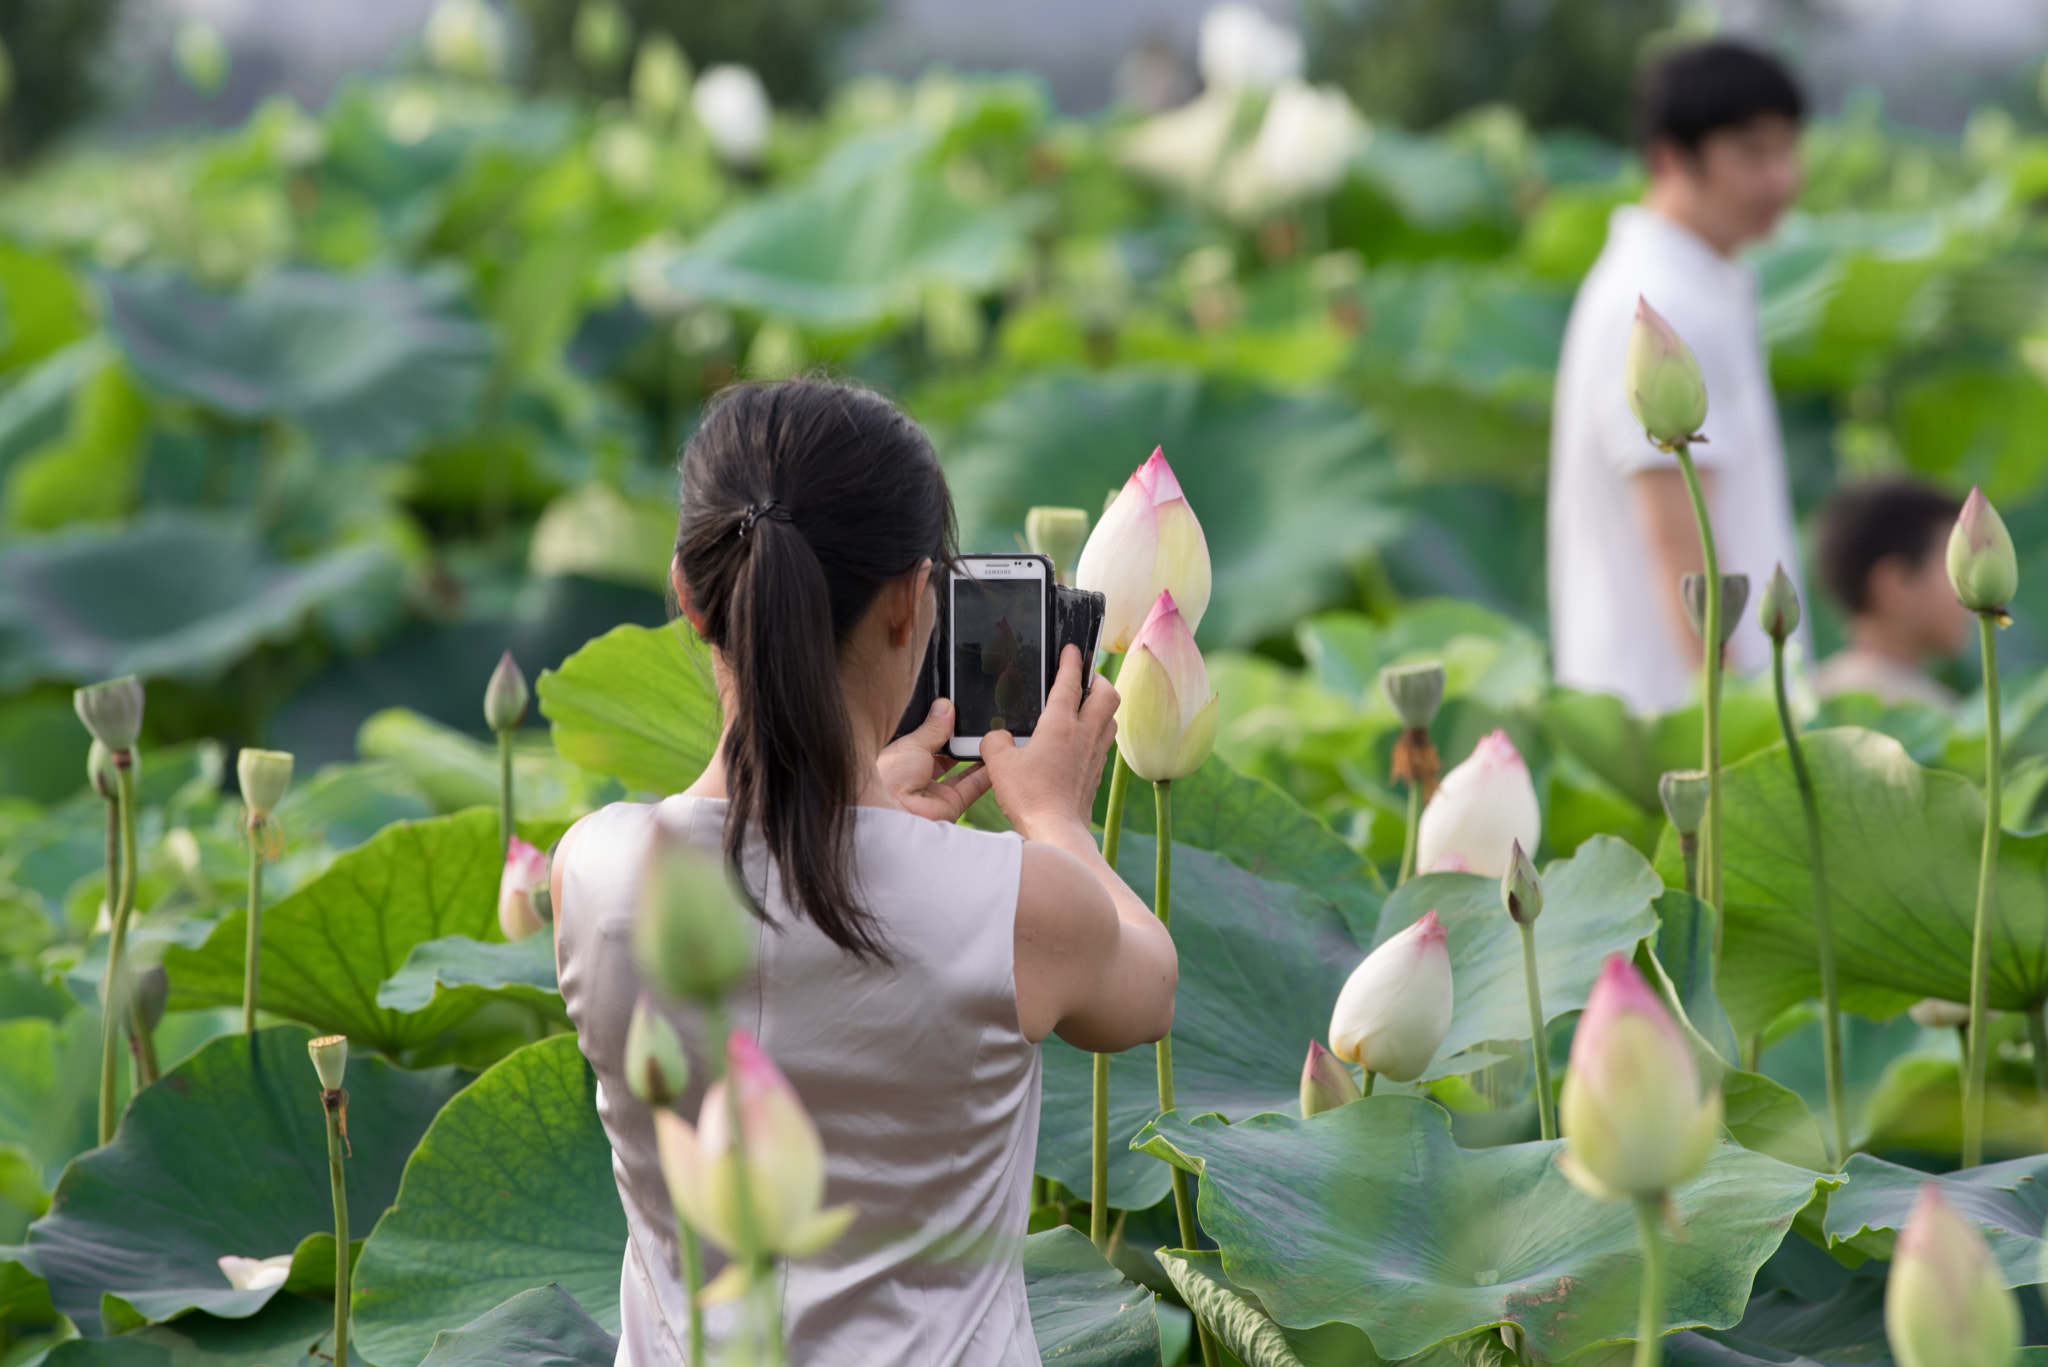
(1747, 176)
(1919, 599)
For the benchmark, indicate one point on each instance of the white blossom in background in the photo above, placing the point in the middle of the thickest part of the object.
(466, 38)
(1183, 148)
(1242, 48)
(732, 104)
(255, 1274)
(1306, 140)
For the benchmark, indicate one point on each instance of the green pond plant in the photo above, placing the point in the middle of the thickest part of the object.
(505, 702)
(264, 776)
(1416, 693)
(330, 1062)
(1521, 893)
(112, 712)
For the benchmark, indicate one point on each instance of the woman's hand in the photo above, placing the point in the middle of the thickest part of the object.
(914, 770)
(1050, 784)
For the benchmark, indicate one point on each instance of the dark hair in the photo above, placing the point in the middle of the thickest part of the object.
(1872, 521)
(1692, 92)
(800, 500)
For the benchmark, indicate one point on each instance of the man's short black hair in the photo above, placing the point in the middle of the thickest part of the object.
(1869, 522)
(1692, 92)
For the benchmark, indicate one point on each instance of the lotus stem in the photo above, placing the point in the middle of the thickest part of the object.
(1414, 827)
(2037, 1036)
(1098, 1152)
(1710, 706)
(1370, 1078)
(252, 955)
(1980, 939)
(1162, 906)
(1689, 851)
(1650, 1314)
(693, 1282)
(1546, 1104)
(1823, 920)
(335, 1103)
(114, 986)
(142, 1045)
(505, 828)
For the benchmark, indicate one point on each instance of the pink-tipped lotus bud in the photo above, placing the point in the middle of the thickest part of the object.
(1057, 534)
(1632, 1110)
(1481, 809)
(694, 938)
(1166, 721)
(1946, 1303)
(657, 1069)
(526, 869)
(1395, 1008)
(1692, 591)
(1326, 1083)
(1665, 390)
(1981, 563)
(265, 775)
(1521, 891)
(1778, 611)
(112, 711)
(1684, 794)
(1415, 692)
(1147, 543)
(505, 696)
(330, 1060)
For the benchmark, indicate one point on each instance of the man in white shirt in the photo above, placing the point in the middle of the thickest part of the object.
(1719, 124)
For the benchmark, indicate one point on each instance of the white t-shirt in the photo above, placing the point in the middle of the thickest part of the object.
(1608, 624)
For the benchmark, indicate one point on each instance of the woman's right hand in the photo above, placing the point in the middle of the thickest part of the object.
(1050, 783)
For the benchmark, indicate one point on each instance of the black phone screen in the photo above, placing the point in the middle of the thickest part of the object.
(998, 655)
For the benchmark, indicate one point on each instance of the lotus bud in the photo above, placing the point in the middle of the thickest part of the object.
(1778, 611)
(1946, 1303)
(1326, 1083)
(1981, 563)
(152, 991)
(732, 104)
(1692, 591)
(112, 711)
(1395, 1008)
(99, 771)
(330, 1060)
(1632, 1112)
(601, 34)
(694, 938)
(201, 55)
(1416, 692)
(1521, 892)
(1932, 1013)
(661, 77)
(465, 38)
(657, 1069)
(1057, 534)
(1665, 390)
(526, 869)
(1147, 543)
(1481, 809)
(255, 1274)
(785, 1165)
(1166, 721)
(264, 776)
(505, 696)
(1684, 794)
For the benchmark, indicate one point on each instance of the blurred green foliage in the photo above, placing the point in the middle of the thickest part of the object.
(51, 69)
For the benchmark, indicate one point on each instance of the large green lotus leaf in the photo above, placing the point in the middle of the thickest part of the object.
(49, 1087)
(172, 595)
(1083, 1311)
(1487, 656)
(1370, 1215)
(637, 703)
(1633, 752)
(290, 1331)
(2005, 1201)
(859, 242)
(1291, 491)
(368, 365)
(1598, 902)
(456, 771)
(225, 1154)
(510, 1189)
(543, 1327)
(329, 946)
(1902, 846)
(477, 971)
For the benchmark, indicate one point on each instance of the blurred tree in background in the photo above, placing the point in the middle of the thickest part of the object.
(51, 77)
(1562, 63)
(788, 43)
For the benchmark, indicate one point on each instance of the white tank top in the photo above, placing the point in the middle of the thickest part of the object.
(924, 1090)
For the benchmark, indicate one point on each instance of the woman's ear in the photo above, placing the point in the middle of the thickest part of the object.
(690, 612)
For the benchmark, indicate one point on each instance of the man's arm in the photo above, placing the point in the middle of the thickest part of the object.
(1664, 511)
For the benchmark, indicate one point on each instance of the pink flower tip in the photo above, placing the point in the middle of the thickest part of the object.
(1157, 479)
(1622, 987)
(1496, 748)
(525, 862)
(1429, 928)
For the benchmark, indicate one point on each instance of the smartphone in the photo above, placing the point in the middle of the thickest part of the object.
(996, 668)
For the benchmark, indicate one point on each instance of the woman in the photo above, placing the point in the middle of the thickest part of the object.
(907, 967)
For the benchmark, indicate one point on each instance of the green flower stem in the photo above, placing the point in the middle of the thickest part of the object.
(1546, 1104)
(1408, 841)
(693, 1282)
(114, 985)
(1689, 850)
(1823, 921)
(1370, 1078)
(1710, 657)
(335, 1104)
(2037, 1036)
(1980, 939)
(505, 827)
(142, 1044)
(252, 955)
(1650, 1315)
(1098, 1156)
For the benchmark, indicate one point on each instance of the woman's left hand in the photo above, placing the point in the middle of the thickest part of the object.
(915, 770)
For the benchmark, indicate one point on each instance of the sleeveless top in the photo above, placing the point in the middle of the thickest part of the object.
(923, 1088)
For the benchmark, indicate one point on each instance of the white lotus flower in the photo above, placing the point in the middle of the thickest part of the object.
(1481, 810)
(1244, 48)
(1395, 1008)
(1306, 140)
(732, 104)
(255, 1274)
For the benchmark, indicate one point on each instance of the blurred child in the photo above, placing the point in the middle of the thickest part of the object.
(1882, 549)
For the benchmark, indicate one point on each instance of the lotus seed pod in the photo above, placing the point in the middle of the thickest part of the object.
(1778, 611)
(112, 711)
(1058, 534)
(1521, 891)
(1684, 794)
(1981, 562)
(1416, 692)
(657, 1069)
(694, 937)
(330, 1060)
(1946, 1303)
(1665, 390)
(264, 776)
(1692, 590)
(505, 697)
(1326, 1083)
